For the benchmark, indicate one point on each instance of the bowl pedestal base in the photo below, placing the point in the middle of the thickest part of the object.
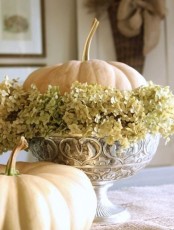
(107, 212)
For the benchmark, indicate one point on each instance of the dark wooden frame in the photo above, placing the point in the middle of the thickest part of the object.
(43, 35)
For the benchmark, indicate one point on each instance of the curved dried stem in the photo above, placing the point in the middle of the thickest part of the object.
(11, 164)
(85, 55)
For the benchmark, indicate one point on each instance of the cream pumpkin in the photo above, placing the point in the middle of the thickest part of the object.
(111, 74)
(45, 196)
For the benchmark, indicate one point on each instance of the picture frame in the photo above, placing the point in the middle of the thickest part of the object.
(22, 29)
(18, 71)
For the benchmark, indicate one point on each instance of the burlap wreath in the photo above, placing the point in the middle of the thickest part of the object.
(135, 26)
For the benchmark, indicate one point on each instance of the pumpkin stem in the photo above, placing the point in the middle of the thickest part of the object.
(85, 56)
(11, 164)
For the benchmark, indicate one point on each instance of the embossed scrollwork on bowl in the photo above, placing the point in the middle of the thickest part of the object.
(100, 161)
(44, 149)
(80, 151)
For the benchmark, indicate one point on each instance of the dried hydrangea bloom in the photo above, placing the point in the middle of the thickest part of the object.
(87, 110)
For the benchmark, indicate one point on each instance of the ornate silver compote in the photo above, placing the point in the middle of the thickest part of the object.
(104, 164)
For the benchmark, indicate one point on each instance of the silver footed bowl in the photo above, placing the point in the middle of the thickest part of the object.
(103, 164)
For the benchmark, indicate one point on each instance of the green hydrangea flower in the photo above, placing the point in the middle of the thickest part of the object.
(87, 110)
